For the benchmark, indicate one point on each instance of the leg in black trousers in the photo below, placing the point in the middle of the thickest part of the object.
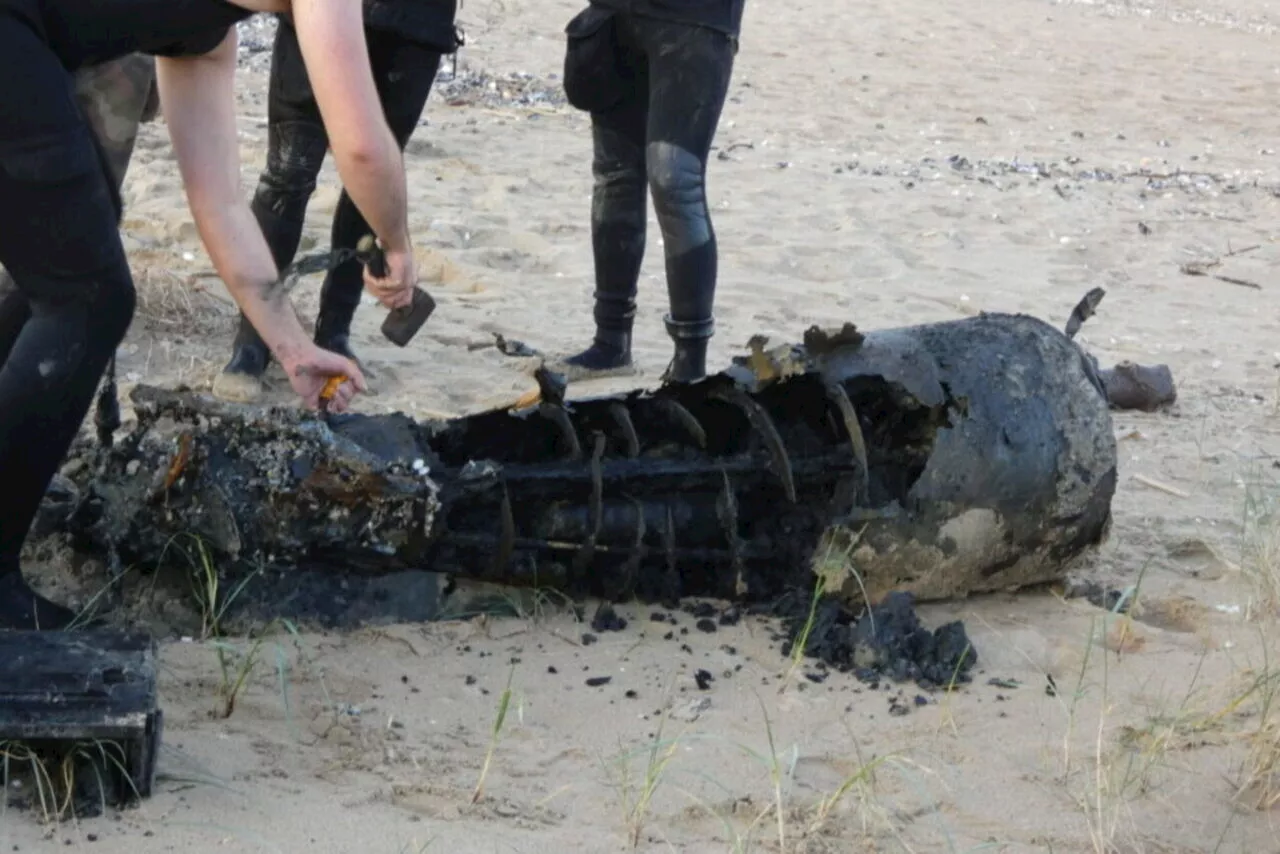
(659, 140)
(59, 242)
(404, 72)
(113, 97)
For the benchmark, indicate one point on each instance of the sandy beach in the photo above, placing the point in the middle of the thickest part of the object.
(885, 163)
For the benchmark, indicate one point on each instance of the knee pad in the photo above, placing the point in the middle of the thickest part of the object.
(296, 149)
(674, 173)
(294, 159)
(285, 197)
(611, 172)
(679, 196)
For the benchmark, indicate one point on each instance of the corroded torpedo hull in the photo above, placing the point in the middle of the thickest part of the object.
(940, 459)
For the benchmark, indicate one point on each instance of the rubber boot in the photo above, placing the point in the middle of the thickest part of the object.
(689, 363)
(21, 608)
(241, 380)
(333, 330)
(610, 350)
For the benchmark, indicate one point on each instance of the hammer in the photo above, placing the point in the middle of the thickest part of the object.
(401, 323)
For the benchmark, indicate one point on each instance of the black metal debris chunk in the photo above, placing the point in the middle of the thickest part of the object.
(887, 640)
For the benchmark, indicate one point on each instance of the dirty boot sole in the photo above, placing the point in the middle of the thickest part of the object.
(579, 373)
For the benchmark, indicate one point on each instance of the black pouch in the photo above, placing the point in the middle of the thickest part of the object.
(594, 78)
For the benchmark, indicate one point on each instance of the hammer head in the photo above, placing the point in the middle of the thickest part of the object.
(403, 323)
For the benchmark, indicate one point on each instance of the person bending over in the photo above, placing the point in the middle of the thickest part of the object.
(59, 238)
(406, 40)
(654, 75)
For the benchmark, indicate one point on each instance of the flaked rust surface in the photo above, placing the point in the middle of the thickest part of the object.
(938, 460)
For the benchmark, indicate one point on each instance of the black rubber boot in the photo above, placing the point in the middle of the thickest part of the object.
(610, 351)
(241, 380)
(333, 330)
(689, 364)
(23, 609)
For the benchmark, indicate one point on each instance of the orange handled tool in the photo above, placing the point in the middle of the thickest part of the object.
(330, 389)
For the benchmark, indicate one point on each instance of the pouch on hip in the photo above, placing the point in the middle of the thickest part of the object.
(595, 78)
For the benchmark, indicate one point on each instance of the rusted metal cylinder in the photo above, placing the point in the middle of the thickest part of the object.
(941, 459)
(1013, 474)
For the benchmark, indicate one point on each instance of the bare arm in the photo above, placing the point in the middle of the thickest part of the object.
(198, 94)
(331, 36)
(198, 99)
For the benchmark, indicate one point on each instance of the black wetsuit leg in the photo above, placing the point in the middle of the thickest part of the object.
(661, 139)
(404, 72)
(618, 208)
(59, 241)
(15, 311)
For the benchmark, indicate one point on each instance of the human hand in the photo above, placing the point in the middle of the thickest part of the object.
(311, 370)
(395, 288)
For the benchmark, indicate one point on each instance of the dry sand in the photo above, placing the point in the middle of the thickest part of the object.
(835, 198)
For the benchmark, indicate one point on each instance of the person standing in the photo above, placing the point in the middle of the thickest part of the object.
(59, 237)
(654, 75)
(406, 40)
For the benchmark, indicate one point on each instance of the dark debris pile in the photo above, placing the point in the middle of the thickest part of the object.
(888, 642)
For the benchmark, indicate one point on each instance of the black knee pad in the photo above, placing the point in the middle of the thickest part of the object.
(297, 149)
(676, 177)
(294, 159)
(610, 172)
(675, 174)
(287, 201)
